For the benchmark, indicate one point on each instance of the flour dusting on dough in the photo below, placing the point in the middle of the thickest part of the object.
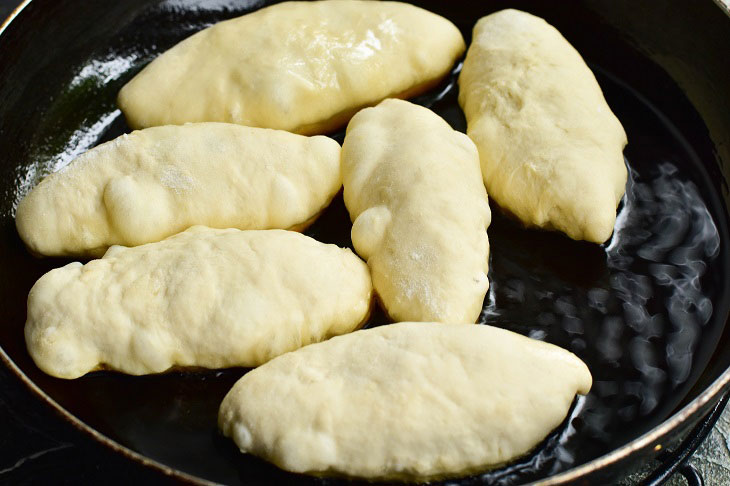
(175, 179)
(414, 190)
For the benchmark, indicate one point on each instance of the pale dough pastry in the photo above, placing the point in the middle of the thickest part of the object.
(420, 213)
(408, 400)
(202, 298)
(550, 147)
(306, 67)
(150, 184)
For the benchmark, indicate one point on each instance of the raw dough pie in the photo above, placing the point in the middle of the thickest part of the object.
(420, 213)
(153, 183)
(202, 298)
(306, 67)
(550, 147)
(409, 400)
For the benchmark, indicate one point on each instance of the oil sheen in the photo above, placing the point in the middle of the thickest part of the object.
(644, 310)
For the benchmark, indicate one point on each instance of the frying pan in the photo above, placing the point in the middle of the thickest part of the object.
(647, 311)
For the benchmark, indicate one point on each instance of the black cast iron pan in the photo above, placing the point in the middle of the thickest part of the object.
(647, 311)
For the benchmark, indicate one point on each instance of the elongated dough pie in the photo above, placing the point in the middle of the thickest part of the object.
(150, 184)
(306, 67)
(420, 213)
(409, 400)
(204, 298)
(550, 147)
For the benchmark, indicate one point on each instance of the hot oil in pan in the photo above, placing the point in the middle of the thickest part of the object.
(638, 310)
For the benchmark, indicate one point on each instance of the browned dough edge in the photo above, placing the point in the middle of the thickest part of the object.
(338, 120)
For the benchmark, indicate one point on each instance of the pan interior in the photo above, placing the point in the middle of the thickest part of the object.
(645, 311)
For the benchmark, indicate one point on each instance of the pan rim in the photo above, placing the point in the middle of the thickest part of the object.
(95, 434)
(654, 435)
(13, 14)
(708, 395)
